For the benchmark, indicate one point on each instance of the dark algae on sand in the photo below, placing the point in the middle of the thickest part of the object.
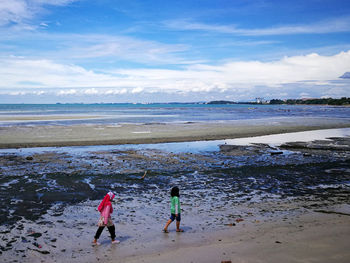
(41, 184)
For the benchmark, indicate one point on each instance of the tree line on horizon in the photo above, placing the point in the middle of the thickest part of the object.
(324, 101)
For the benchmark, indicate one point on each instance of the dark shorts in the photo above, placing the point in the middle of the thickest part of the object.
(173, 216)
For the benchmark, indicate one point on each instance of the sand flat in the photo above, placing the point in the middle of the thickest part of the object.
(289, 236)
(311, 237)
(95, 134)
(30, 118)
(282, 226)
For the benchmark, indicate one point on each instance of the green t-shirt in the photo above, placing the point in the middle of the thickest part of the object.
(175, 205)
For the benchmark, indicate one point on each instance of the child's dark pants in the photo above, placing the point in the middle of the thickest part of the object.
(111, 230)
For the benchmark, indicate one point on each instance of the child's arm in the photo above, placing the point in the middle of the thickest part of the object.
(177, 202)
(106, 213)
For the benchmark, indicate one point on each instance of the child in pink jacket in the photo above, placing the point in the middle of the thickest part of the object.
(105, 208)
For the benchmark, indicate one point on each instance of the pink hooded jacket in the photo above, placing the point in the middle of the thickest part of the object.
(105, 207)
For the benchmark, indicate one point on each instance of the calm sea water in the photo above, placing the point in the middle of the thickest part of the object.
(159, 113)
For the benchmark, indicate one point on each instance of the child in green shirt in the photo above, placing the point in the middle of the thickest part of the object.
(175, 210)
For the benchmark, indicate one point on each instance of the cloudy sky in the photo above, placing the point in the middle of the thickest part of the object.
(181, 50)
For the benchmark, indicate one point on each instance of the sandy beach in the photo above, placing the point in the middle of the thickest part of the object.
(288, 231)
(92, 134)
(310, 237)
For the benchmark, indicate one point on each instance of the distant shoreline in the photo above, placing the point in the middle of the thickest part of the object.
(342, 102)
(102, 134)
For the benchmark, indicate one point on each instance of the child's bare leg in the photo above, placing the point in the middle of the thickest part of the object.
(178, 229)
(95, 242)
(167, 224)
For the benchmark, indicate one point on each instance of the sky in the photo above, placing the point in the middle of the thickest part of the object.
(144, 51)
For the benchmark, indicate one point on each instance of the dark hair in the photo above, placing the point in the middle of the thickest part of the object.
(175, 191)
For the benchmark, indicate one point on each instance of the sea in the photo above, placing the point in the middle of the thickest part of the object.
(156, 113)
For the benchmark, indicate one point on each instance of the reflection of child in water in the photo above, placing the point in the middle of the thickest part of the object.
(106, 209)
(175, 210)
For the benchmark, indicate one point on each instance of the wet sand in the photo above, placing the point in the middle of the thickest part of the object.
(73, 135)
(311, 237)
(33, 118)
(256, 203)
(286, 231)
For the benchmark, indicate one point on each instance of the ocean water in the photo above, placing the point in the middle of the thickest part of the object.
(113, 114)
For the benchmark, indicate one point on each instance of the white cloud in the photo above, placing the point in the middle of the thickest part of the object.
(311, 71)
(122, 47)
(22, 11)
(337, 92)
(92, 91)
(13, 11)
(17, 71)
(53, 2)
(67, 92)
(304, 95)
(43, 24)
(136, 90)
(39, 92)
(17, 93)
(341, 24)
(91, 47)
(115, 91)
(243, 74)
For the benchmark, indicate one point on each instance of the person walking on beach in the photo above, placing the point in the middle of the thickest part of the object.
(105, 208)
(175, 210)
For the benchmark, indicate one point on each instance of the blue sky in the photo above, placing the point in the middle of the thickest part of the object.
(160, 51)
